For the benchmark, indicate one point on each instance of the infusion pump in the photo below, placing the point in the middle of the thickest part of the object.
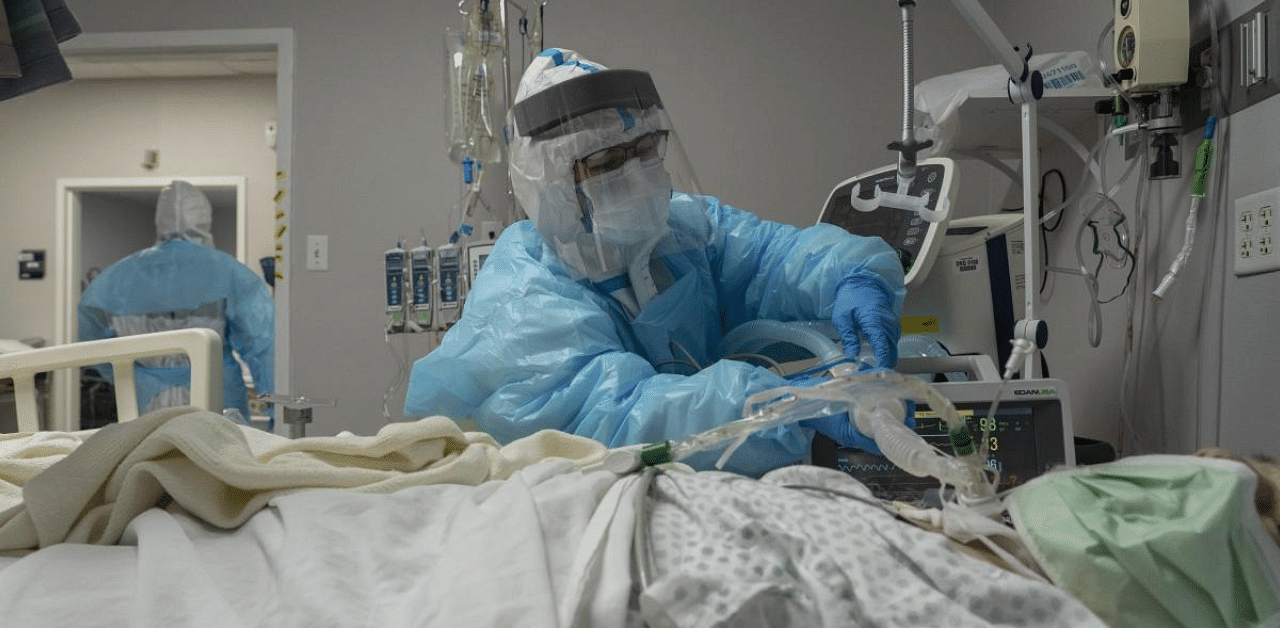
(426, 287)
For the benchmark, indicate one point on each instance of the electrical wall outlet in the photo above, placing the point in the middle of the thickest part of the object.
(1257, 241)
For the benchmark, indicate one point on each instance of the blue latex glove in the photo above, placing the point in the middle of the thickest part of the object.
(863, 306)
(840, 429)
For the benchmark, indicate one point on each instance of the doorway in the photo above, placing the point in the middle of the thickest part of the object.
(119, 213)
(118, 216)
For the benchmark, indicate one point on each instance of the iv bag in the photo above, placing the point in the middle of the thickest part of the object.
(472, 110)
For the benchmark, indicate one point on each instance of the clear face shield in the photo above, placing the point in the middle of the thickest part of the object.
(597, 166)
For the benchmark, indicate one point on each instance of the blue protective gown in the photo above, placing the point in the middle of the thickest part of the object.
(175, 280)
(538, 349)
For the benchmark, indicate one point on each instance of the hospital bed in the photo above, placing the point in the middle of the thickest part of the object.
(181, 517)
(203, 347)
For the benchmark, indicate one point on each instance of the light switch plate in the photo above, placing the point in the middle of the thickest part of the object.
(317, 252)
(1257, 240)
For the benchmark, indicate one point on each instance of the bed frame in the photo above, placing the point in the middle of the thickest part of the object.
(202, 346)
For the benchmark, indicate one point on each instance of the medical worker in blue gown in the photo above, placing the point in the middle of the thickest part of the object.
(184, 282)
(601, 314)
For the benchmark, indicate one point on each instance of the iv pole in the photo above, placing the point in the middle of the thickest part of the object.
(1025, 87)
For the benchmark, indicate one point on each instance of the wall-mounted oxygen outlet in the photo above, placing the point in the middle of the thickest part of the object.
(1257, 241)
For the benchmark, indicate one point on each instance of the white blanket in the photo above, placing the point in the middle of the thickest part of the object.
(549, 546)
(222, 473)
(23, 455)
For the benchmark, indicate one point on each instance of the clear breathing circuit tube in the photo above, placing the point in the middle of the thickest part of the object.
(874, 401)
(754, 336)
(1199, 181)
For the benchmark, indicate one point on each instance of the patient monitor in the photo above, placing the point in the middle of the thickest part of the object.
(1030, 433)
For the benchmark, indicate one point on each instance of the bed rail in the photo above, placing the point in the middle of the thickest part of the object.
(202, 346)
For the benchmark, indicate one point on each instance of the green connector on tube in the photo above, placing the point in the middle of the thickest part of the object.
(962, 441)
(655, 454)
(1204, 159)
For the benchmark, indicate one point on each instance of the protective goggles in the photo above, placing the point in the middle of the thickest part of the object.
(648, 146)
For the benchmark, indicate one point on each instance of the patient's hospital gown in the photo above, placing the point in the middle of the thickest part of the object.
(538, 348)
(806, 546)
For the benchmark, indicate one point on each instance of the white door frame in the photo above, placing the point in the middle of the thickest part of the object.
(67, 253)
(65, 392)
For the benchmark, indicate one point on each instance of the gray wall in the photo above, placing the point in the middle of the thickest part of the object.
(1245, 339)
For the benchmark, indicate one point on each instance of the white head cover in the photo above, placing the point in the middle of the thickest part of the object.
(183, 211)
(542, 177)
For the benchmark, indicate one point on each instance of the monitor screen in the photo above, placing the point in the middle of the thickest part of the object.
(1025, 440)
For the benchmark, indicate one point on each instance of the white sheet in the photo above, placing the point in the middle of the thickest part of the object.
(521, 552)
(544, 544)
(224, 473)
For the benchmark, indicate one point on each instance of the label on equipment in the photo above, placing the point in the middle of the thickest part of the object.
(920, 324)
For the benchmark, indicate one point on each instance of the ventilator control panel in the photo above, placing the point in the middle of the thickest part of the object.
(913, 237)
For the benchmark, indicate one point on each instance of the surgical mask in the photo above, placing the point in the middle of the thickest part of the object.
(625, 213)
(628, 207)
(1155, 541)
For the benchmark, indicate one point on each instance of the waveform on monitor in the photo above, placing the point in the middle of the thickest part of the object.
(885, 467)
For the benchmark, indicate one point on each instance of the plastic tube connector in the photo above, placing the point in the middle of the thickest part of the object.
(1021, 349)
(883, 423)
(1204, 160)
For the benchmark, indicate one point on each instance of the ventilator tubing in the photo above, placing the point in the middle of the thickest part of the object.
(882, 420)
(753, 336)
(874, 401)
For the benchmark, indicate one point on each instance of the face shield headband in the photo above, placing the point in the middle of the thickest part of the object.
(539, 115)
